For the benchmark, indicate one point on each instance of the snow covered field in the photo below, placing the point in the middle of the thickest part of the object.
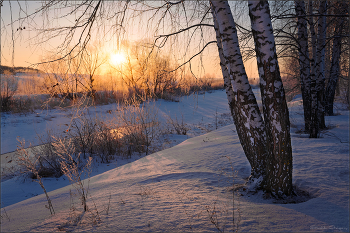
(193, 109)
(187, 187)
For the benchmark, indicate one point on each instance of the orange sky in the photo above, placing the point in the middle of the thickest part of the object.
(28, 50)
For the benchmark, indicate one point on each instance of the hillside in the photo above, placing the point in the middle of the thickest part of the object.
(18, 69)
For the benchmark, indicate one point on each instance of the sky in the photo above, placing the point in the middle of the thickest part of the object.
(31, 47)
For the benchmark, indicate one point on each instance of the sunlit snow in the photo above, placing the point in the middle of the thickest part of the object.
(179, 189)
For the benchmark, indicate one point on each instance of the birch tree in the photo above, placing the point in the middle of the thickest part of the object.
(244, 108)
(312, 62)
(276, 115)
(314, 123)
(320, 63)
(304, 61)
(271, 166)
(335, 61)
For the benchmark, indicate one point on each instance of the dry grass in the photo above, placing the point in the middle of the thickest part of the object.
(30, 164)
(34, 93)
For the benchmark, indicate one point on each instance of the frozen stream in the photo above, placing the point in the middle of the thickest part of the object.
(200, 110)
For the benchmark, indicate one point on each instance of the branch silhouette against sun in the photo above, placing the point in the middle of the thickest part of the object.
(84, 19)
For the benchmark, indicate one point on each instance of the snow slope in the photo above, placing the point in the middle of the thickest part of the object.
(200, 112)
(177, 189)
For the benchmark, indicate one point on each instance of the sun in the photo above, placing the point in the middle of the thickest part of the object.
(117, 58)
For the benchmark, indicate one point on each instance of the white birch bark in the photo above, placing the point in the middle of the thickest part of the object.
(245, 111)
(276, 116)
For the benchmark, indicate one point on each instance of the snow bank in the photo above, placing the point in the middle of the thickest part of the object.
(173, 190)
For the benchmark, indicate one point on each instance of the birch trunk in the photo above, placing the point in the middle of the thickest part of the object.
(314, 124)
(335, 65)
(304, 62)
(348, 72)
(276, 115)
(244, 108)
(320, 63)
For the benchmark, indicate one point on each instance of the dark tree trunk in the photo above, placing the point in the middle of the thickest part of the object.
(304, 62)
(320, 64)
(314, 125)
(335, 65)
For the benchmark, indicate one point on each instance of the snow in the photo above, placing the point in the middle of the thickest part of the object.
(176, 189)
(33, 126)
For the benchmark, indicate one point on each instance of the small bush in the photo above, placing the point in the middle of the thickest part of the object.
(176, 126)
(30, 164)
(135, 128)
(73, 169)
(8, 87)
(170, 97)
(139, 125)
(107, 142)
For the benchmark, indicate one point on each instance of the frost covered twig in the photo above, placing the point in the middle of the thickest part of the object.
(27, 162)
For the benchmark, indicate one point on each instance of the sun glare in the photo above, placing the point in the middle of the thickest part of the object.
(117, 58)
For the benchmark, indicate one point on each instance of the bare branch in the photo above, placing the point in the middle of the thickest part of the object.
(211, 42)
(180, 31)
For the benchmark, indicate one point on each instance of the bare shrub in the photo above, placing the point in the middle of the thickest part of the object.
(106, 97)
(95, 137)
(139, 125)
(30, 163)
(75, 169)
(30, 83)
(179, 127)
(22, 104)
(9, 85)
(58, 89)
(214, 214)
(174, 97)
(60, 154)
(82, 131)
(107, 142)
(49, 160)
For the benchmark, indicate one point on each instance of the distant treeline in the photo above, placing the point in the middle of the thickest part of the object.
(18, 69)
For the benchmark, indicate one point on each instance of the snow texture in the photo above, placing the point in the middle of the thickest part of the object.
(176, 189)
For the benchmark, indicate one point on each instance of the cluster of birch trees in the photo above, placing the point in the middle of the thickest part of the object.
(313, 25)
(265, 138)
